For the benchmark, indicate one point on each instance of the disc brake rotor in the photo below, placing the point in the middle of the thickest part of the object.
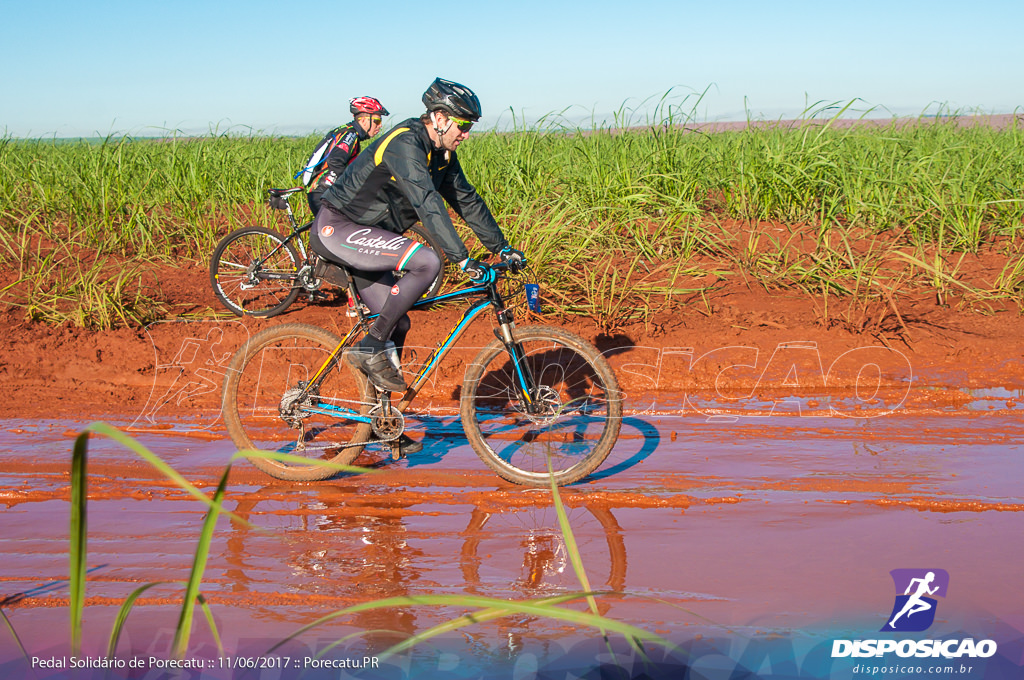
(547, 406)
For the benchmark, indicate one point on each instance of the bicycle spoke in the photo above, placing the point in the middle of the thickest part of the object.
(237, 265)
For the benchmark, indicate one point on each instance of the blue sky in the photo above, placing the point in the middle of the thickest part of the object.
(88, 68)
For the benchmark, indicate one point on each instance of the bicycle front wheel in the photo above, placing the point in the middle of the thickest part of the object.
(573, 422)
(254, 271)
(264, 408)
(521, 550)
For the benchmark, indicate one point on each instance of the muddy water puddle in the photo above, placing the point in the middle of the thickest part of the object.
(741, 526)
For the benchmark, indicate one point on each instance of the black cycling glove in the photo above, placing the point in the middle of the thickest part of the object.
(478, 272)
(515, 259)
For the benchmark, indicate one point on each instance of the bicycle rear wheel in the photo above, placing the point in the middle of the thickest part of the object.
(261, 409)
(240, 267)
(580, 411)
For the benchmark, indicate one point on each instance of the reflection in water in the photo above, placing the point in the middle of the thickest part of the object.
(521, 553)
(364, 556)
(524, 547)
(700, 515)
(341, 542)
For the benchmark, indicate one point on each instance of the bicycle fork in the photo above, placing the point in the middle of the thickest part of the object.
(525, 380)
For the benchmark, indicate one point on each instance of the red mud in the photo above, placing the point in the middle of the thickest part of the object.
(722, 348)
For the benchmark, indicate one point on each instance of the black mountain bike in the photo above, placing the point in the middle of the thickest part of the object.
(535, 397)
(258, 272)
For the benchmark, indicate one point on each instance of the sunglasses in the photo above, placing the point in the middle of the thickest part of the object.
(463, 125)
(376, 120)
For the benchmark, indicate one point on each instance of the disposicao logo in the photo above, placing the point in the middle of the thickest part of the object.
(913, 612)
(914, 609)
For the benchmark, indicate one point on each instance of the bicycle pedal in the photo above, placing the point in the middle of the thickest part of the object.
(350, 308)
(396, 451)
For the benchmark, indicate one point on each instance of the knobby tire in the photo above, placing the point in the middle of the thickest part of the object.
(229, 265)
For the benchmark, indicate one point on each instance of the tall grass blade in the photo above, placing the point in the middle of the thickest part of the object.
(936, 271)
(78, 537)
(17, 640)
(570, 540)
(155, 461)
(292, 458)
(477, 617)
(122, 615)
(184, 628)
(212, 624)
(489, 605)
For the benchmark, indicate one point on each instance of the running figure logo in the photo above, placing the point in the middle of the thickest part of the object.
(914, 610)
(189, 365)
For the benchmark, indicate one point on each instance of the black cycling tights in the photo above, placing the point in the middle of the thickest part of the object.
(376, 254)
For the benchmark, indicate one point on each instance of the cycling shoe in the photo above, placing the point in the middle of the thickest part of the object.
(379, 369)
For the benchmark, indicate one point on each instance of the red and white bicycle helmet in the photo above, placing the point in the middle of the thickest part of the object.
(367, 105)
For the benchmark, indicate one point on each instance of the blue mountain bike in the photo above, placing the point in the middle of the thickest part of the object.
(536, 401)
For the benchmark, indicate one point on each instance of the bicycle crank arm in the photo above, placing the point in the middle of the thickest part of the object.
(267, 276)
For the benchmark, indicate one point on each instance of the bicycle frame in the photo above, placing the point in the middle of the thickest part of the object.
(281, 200)
(296, 229)
(491, 298)
(294, 236)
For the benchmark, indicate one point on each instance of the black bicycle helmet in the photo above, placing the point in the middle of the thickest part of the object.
(452, 98)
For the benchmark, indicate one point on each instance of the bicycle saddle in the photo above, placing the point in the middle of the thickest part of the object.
(279, 197)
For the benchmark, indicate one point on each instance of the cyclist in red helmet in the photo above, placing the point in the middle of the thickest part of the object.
(340, 147)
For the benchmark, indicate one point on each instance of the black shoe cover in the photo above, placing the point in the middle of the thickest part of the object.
(379, 369)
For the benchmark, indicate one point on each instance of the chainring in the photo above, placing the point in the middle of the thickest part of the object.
(387, 427)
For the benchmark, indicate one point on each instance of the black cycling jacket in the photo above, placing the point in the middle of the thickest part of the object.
(401, 179)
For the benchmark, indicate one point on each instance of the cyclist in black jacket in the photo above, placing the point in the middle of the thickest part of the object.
(398, 180)
(340, 147)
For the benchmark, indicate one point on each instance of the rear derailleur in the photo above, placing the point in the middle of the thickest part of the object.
(293, 404)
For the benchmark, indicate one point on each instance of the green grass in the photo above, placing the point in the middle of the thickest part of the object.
(645, 193)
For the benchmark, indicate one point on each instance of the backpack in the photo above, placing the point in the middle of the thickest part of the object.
(317, 161)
